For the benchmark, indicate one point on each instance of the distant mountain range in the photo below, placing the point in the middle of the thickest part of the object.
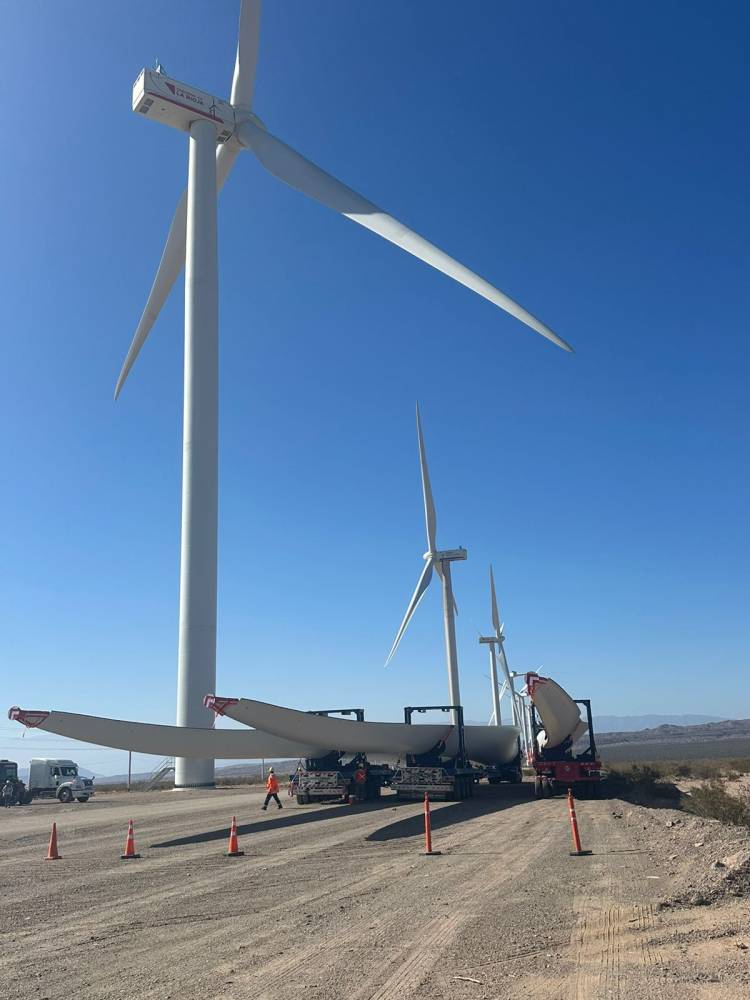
(634, 723)
(729, 738)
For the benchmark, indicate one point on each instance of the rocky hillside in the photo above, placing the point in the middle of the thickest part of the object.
(730, 738)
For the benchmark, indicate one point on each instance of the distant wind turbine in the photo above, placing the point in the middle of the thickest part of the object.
(496, 644)
(439, 561)
(218, 132)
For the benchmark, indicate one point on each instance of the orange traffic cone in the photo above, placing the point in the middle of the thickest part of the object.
(577, 851)
(428, 851)
(52, 854)
(129, 854)
(234, 848)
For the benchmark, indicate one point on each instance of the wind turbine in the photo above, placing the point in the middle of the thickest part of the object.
(218, 131)
(496, 645)
(440, 561)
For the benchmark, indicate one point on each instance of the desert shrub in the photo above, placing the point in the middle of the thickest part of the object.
(641, 783)
(707, 769)
(713, 801)
(240, 779)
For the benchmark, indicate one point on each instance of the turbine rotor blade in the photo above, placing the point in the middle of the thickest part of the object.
(300, 173)
(430, 517)
(246, 60)
(419, 592)
(172, 262)
(495, 614)
(439, 571)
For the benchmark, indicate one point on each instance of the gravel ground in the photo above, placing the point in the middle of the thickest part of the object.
(338, 902)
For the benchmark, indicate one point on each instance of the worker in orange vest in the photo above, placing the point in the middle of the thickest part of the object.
(272, 789)
(360, 780)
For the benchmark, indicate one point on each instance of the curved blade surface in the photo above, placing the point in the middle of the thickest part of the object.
(496, 623)
(354, 737)
(430, 518)
(488, 746)
(174, 741)
(560, 715)
(172, 262)
(419, 592)
(439, 571)
(300, 173)
(246, 60)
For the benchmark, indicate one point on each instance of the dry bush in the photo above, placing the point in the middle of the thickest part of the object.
(642, 783)
(713, 801)
(708, 769)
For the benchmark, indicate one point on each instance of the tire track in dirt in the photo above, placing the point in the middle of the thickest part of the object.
(152, 867)
(428, 943)
(612, 938)
(425, 938)
(422, 959)
(607, 941)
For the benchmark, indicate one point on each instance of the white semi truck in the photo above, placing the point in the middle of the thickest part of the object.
(52, 778)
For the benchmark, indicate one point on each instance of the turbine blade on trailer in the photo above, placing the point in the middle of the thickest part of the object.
(246, 60)
(172, 262)
(419, 592)
(430, 518)
(300, 173)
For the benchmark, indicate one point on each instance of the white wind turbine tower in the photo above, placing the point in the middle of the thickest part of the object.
(496, 644)
(439, 561)
(218, 131)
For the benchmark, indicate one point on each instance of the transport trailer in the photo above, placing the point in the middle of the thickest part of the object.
(433, 773)
(331, 779)
(559, 767)
(511, 772)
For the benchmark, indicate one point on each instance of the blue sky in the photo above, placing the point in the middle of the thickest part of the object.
(588, 158)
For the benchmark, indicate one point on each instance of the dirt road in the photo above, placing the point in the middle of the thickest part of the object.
(337, 902)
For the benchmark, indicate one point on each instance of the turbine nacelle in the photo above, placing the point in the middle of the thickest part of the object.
(162, 99)
(448, 555)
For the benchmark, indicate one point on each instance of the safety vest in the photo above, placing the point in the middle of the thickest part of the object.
(272, 785)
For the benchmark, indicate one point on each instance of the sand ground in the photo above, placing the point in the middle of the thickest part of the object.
(336, 902)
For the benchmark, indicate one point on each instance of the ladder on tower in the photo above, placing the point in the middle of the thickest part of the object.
(162, 770)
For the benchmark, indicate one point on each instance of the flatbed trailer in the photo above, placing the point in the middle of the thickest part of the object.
(512, 772)
(432, 773)
(560, 768)
(331, 779)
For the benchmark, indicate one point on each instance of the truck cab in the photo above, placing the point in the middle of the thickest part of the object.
(53, 778)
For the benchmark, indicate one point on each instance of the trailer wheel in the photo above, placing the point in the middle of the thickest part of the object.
(538, 791)
(65, 795)
(303, 798)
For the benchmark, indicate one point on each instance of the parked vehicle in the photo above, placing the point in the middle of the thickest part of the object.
(53, 778)
(9, 772)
